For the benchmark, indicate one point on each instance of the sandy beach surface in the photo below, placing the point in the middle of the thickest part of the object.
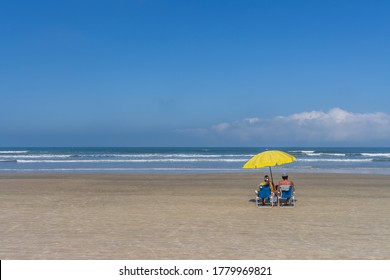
(202, 216)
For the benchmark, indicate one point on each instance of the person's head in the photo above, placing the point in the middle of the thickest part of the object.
(284, 176)
(266, 178)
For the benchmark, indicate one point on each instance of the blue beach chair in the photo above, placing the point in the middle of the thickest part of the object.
(286, 192)
(266, 194)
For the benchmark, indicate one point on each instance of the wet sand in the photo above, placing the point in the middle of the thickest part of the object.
(202, 216)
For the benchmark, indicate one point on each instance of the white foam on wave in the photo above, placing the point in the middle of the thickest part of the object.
(304, 152)
(128, 160)
(13, 152)
(375, 154)
(36, 156)
(333, 160)
(325, 154)
(169, 155)
(316, 154)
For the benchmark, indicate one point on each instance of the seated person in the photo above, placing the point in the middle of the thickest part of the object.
(285, 181)
(266, 182)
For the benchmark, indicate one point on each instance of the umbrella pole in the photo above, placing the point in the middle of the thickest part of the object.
(270, 171)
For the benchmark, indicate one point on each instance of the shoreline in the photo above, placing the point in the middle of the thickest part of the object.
(197, 171)
(191, 216)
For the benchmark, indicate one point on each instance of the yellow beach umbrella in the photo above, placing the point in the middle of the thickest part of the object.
(268, 159)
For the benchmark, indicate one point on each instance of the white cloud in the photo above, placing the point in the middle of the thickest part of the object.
(307, 128)
(340, 125)
(221, 127)
(252, 120)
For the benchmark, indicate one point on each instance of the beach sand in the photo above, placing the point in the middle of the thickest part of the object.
(202, 216)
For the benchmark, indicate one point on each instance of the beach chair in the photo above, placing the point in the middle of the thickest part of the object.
(286, 192)
(266, 193)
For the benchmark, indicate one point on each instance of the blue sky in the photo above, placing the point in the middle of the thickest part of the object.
(195, 73)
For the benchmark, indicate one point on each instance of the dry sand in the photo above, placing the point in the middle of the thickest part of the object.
(203, 216)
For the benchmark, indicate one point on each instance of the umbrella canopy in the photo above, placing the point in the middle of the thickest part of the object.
(268, 159)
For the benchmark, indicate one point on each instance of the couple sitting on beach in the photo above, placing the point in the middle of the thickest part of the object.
(275, 189)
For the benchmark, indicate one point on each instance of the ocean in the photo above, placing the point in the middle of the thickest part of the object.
(189, 160)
